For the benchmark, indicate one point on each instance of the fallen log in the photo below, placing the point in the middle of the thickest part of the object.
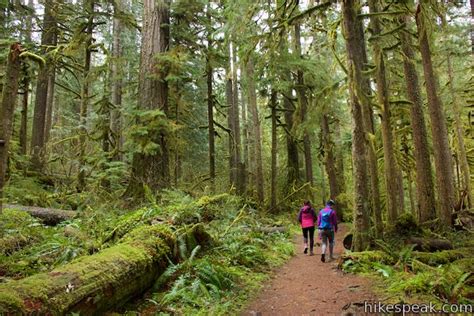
(48, 216)
(430, 245)
(267, 230)
(93, 284)
(442, 257)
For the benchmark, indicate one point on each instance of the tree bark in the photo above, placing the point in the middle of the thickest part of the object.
(50, 102)
(303, 102)
(424, 180)
(466, 175)
(210, 108)
(116, 77)
(48, 216)
(89, 6)
(39, 118)
(330, 164)
(442, 152)
(274, 171)
(9, 98)
(291, 145)
(152, 169)
(230, 121)
(354, 39)
(257, 137)
(237, 137)
(24, 113)
(390, 164)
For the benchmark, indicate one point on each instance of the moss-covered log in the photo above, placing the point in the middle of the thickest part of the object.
(92, 284)
(442, 257)
(49, 216)
(427, 244)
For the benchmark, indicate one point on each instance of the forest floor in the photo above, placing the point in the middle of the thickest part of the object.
(307, 286)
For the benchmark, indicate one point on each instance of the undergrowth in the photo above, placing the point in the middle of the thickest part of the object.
(214, 280)
(410, 276)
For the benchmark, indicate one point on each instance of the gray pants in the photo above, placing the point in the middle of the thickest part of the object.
(327, 235)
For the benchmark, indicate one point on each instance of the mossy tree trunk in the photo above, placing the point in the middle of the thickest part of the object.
(256, 132)
(390, 164)
(355, 58)
(425, 198)
(441, 149)
(39, 118)
(9, 98)
(152, 168)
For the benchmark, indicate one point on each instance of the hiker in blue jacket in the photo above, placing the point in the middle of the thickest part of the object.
(327, 226)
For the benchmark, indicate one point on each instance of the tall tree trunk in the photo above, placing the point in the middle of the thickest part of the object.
(39, 118)
(89, 6)
(424, 180)
(442, 152)
(303, 102)
(50, 102)
(230, 121)
(24, 113)
(210, 107)
(237, 137)
(116, 77)
(274, 171)
(152, 169)
(330, 164)
(9, 98)
(26, 87)
(355, 50)
(246, 141)
(256, 133)
(390, 164)
(466, 175)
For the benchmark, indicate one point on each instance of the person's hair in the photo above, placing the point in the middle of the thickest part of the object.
(307, 202)
(331, 202)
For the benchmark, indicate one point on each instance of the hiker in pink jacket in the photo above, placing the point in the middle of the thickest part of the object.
(307, 219)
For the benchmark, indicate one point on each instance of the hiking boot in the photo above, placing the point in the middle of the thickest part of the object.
(323, 258)
(305, 250)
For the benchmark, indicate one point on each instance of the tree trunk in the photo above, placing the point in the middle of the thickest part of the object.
(39, 118)
(246, 141)
(390, 164)
(9, 98)
(48, 216)
(274, 171)
(257, 137)
(116, 77)
(152, 169)
(303, 102)
(424, 180)
(330, 164)
(50, 102)
(291, 145)
(230, 121)
(355, 54)
(466, 175)
(442, 152)
(237, 137)
(24, 114)
(210, 118)
(89, 6)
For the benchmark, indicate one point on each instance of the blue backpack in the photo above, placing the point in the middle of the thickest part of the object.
(325, 219)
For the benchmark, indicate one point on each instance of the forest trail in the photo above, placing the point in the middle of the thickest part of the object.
(307, 286)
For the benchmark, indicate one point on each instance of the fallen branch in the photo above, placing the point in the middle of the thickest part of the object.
(49, 216)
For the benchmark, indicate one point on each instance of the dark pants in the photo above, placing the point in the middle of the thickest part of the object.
(309, 230)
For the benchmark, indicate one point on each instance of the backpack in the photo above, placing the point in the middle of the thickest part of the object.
(325, 219)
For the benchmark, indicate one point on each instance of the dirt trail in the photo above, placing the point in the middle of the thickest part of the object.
(307, 286)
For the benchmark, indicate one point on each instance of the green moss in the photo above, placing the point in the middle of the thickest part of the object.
(442, 257)
(10, 300)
